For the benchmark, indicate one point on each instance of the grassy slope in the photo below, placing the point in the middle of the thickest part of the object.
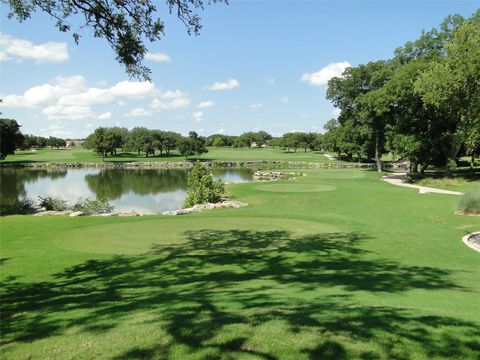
(356, 268)
(82, 155)
(459, 182)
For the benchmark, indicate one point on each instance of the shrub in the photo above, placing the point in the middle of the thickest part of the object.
(202, 187)
(50, 203)
(470, 202)
(23, 205)
(90, 207)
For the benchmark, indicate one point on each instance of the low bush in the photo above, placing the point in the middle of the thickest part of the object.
(90, 207)
(470, 202)
(23, 205)
(202, 187)
(50, 203)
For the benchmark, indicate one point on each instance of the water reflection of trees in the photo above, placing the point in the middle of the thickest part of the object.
(12, 185)
(111, 184)
(243, 174)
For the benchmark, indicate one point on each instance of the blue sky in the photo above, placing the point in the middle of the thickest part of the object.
(257, 65)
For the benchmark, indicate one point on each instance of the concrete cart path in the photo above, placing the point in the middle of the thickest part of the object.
(397, 179)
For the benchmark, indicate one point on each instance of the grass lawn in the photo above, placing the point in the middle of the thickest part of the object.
(460, 181)
(335, 265)
(219, 154)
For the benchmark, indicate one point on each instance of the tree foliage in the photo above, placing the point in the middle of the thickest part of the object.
(423, 105)
(11, 138)
(202, 187)
(192, 145)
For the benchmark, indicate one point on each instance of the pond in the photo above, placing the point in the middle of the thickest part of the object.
(139, 190)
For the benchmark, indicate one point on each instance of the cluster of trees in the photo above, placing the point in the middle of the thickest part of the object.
(105, 141)
(247, 139)
(298, 140)
(423, 105)
(11, 139)
(33, 141)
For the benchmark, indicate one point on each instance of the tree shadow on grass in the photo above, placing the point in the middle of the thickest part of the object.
(196, 290)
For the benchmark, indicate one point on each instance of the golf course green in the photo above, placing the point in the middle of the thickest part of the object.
(336, 264)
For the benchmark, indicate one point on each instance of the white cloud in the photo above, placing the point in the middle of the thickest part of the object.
(171, 94)
(227, 85)
(160, 57)
(336, 113)
(93, 96)
(220, 131)
(45, 94)
(67, 112)
(19, 49)
(284, 99)
(206, 104)
(198, 116)
(322, 76)
(133, 89)
(138, 112)
(69, 96)
(170, 99)
(158, 104)
(63, 133)
(56, 126)
(105, 116)
(256, 105)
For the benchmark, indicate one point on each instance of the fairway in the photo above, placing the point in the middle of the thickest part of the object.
(334, 265)
(218, 154)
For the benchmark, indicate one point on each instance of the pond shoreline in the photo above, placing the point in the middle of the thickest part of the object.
(186, 164)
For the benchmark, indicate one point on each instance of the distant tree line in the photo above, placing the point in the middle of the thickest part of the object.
(106, 141)
(11, 139)
(422, 106)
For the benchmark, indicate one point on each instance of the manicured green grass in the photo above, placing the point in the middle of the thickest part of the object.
(353, 268)
(220, 154)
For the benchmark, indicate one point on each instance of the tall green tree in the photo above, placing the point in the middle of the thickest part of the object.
(102, 141)
(192, 145)
(11, 137)
(452, 85)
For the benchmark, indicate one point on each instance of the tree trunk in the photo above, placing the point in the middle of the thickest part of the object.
(377, 155)
(415, 167)
(408, 173)
(423, 167)
(453, 155)
(472, 161)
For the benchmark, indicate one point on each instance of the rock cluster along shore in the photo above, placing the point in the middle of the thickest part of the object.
(224, 203)
(275, 175)
(189, 164)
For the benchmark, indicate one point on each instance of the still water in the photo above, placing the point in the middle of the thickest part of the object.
(141, 190)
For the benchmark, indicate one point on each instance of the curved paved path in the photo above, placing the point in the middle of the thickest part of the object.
(397, 179)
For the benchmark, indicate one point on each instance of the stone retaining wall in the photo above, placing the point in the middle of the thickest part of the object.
(189, 164)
